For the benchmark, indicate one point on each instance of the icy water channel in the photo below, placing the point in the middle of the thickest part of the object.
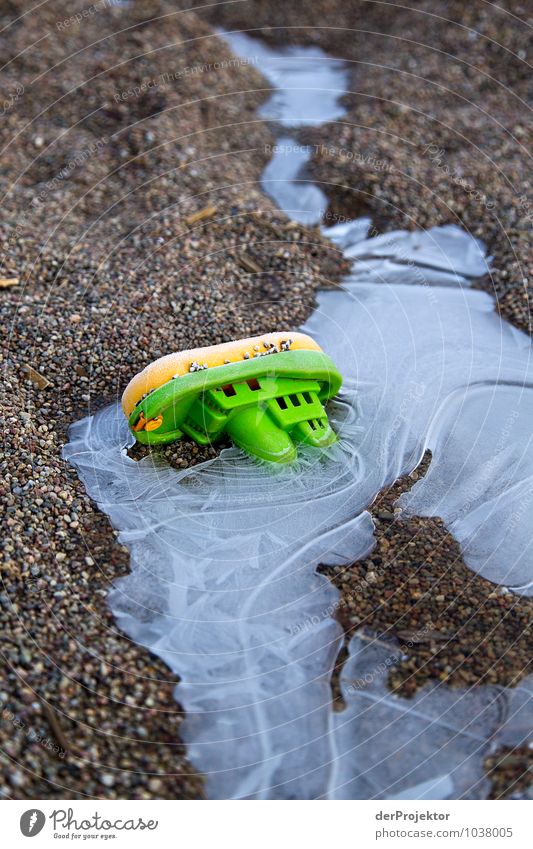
(223, 584)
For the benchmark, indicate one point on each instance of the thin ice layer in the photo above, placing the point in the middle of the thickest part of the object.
(223, 585)
(307, 83)
(429, 747)
(481, 482)
(282, 180)
(436, 368)
(307, 88)
(448, 248)
(223, 588)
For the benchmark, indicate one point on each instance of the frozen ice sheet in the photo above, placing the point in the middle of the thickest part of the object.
(307, 83)
(283, 179)
(223, 584)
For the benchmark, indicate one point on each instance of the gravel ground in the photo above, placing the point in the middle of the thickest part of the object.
(113, 272)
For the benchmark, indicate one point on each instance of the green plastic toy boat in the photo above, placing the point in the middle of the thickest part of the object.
(265, 403)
